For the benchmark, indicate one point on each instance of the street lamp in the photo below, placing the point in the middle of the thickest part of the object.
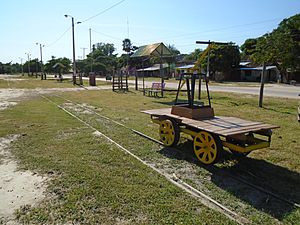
(42, 66)
(73, 38)
(28, 63)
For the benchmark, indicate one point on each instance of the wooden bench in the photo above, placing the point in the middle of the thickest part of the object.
(155, 89)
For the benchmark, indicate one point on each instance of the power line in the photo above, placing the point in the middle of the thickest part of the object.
(106, 35)
(60, 37)
(239, 36)
(186, 35)
(105, 10)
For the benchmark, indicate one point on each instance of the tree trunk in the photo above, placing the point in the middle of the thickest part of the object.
(284, 75)
(262, 82)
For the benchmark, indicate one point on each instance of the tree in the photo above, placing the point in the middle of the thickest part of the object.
(102, 56)
(280, 47)
(223, 58)
(10, 68)
(173, 50)
(193, 56)
(64, 61)
(81, 66)
(128, 47)
(122, 60)
(248, 48)
(105, 48)
(100, 68)
(33, 65)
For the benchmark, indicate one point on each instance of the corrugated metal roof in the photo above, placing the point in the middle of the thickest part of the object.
(259, 68)
(185, 67)
(154, 67)
(244, 63)
(158, 50)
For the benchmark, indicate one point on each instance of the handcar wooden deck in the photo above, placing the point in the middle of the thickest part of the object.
(212, 134)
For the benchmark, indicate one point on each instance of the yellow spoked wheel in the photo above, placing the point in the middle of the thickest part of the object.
(206, 147)
(169, 132)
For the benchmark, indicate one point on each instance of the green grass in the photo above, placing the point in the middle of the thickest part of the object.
(95, 182)
(92, 181)
(277, 166)
(32, 83)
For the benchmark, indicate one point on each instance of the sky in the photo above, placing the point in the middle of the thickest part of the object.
(181, 23)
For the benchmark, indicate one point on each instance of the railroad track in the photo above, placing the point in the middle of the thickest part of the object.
(232, 175)
(173, 178)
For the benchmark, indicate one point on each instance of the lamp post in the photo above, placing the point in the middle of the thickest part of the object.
(42, 66)
(22, 65)
(28, 63)
(73, 38)
(90, 32)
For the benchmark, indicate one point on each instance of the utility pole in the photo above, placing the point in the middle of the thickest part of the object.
(90, 31)
(262, 84)
(74, 60)
(22, 65)
(83, 53)
(80, 74)
(73, 39)
(36, 67)
(42, 66)
(28, 63)
(129, 48)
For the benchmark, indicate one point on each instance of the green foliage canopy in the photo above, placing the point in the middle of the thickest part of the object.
(223, 58)
(102, 58)
(193, 56)
(64, 61)
(281, 47)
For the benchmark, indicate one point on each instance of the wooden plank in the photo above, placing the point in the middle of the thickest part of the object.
(219, 128)
(228, 124)
(233, 130)
(220, 125)
(236, 120)
(248, 129)
(158, 112)
(216, 125)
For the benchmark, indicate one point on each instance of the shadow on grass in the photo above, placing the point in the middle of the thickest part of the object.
(180, 101)
(227, 174)
(279, 111)
(122, 91)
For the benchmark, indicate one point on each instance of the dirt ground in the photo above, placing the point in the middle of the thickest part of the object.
(18, 188)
